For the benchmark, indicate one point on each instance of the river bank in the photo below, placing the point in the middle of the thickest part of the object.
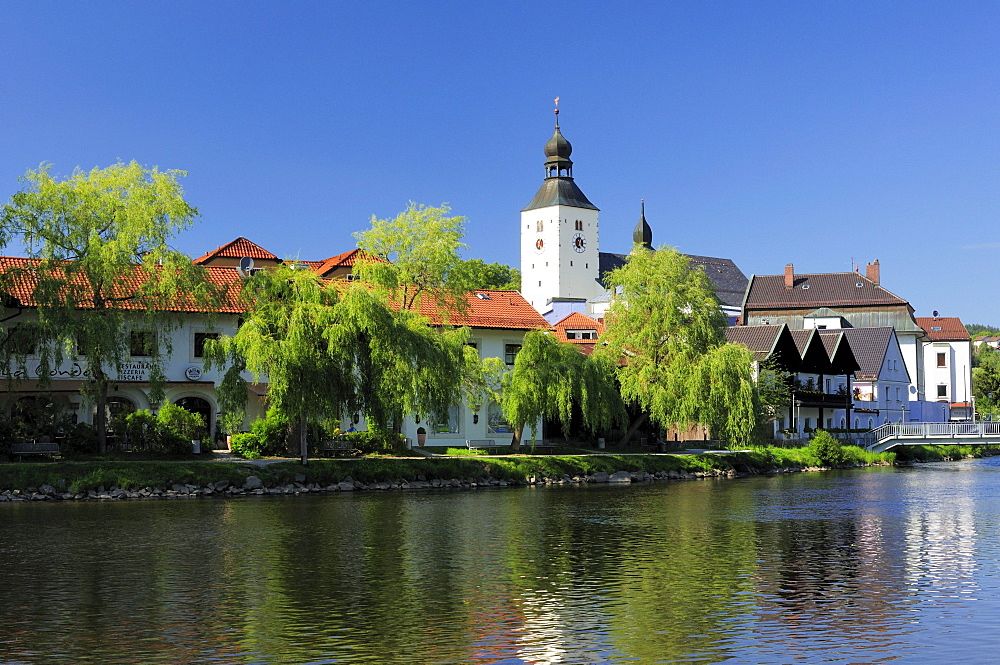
(115, 480)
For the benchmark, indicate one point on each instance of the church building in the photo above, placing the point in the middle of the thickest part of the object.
(562, 268)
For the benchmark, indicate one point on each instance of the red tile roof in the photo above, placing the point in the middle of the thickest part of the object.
(489, 309)
(344, 260)
(577, 321)
(227, 279)
(943, 328)
(817, 290)
(237, 249)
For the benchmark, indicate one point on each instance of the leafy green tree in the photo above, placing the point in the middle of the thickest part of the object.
(986, 379)
(979, 329)
(666, 328)
(102, 266)
(475, 274)
(416, 255)
(329, 348)
(549, 378)
(774, 389)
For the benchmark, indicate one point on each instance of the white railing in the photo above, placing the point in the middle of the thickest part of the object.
(934, 430)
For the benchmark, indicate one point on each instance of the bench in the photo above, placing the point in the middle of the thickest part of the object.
(476, 444)
(338, 448)
(32, 448)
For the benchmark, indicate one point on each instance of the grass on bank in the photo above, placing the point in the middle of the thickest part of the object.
(84, 475)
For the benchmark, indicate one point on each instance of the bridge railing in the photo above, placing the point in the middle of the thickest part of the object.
(934, 430)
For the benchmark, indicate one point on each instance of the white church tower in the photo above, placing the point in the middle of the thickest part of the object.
(559, 252)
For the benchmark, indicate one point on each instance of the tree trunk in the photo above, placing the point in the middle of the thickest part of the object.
(101, 417)
(515, 441)
(303, 443)
(634, 428)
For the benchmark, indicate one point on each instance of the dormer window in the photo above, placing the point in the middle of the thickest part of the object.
(581, 334)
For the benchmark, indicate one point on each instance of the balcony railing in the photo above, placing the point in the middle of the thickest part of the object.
(818, 398)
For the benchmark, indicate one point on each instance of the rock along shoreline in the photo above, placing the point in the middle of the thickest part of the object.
(300, 483)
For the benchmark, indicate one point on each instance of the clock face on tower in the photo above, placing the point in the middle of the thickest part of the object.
(579, 242)
(539, 245)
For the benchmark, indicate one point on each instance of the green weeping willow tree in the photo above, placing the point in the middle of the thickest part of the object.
(102, 280)
(329, 348)
(666, 332)
(549, 378)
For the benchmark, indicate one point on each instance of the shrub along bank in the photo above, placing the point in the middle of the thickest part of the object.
(121, 479)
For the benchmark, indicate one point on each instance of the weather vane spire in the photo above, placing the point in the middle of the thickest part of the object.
(557, 111)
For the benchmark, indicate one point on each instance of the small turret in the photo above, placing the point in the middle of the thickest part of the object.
(643, 235)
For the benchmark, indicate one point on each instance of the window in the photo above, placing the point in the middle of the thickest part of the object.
(942, 360)
(451, 423)
(199, 342)
(579, 225)
(495, 422)
(21, 341)
(942, 390)
(142, 343)
(898, 397)
(581, 334)
(539, 226)
(510, 352)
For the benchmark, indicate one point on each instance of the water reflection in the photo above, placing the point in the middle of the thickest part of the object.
(859, 566)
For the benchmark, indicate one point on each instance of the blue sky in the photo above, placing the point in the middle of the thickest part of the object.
(815, 133)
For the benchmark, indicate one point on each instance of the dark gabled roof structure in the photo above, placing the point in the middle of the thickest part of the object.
(838, 348)
(869, 346)
(767, 343)
(815, 359)
(727, 279)
(817, 290)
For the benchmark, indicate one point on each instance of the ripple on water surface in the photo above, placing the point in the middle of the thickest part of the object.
(895, 565)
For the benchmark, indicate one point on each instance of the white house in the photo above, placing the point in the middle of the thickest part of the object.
(948, 364)
(498, 320)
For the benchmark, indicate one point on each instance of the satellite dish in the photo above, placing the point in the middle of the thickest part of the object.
(246, 265)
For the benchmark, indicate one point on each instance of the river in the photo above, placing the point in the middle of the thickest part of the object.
(893, 565)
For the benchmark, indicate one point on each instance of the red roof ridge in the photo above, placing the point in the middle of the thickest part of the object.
(249, 248)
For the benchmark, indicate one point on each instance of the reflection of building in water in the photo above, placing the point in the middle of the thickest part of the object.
(826, 563)
(940, 535)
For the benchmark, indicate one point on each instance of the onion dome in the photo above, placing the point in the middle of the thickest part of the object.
(558, 187)
(558, 146)
(643, 235)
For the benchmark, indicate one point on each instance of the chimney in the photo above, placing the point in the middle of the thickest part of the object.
(872, 271)
(789, 276)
